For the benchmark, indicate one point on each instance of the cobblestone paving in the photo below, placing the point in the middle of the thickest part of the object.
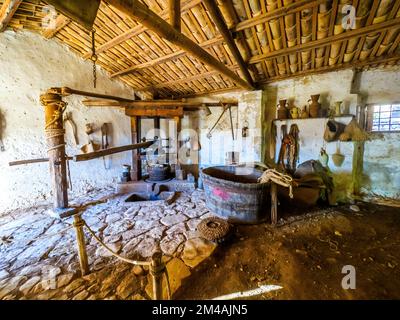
(38, 256)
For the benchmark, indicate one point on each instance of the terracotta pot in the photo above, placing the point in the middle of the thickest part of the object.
(304, 113)
(315, 106)
(282, 110)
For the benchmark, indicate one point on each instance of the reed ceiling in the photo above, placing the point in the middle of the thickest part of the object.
(278, 39)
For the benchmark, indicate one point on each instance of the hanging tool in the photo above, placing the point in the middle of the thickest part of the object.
(68, 119)
(104, 142)
(209, 135)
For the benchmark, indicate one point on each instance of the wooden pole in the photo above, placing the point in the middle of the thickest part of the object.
(136, 172)
(53, 107)
(218, 20)
(174, 8)
(29, 161)
(274, 204)
(139, 12)
(178, 143)
(80, 239)
(106, 152)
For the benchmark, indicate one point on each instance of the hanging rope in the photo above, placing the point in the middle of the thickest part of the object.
(54, 133)
(283, 180)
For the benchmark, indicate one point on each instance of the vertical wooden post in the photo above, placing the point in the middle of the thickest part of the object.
(178, 143)
(156, 271)
(136, 172)
(80, 239)
(53, 107)
(274, 203)
(174, 7)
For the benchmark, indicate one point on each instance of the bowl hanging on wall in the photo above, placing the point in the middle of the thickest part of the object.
(338, 158)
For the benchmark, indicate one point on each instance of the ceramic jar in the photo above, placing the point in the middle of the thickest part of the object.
(295, 113)
(282, 110)
(315, 106)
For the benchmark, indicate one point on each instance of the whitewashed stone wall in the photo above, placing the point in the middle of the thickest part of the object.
(29, 65)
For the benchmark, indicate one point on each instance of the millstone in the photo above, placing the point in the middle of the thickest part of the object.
(214, 229)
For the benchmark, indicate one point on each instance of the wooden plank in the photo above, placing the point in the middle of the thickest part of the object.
(218, 20)
(61, 22)
(107, 152)
(7, 11)
(154, 112)
(138, 11)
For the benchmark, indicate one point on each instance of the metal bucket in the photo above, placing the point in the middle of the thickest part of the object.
(234, 193)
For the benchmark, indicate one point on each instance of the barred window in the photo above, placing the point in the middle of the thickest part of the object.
(384, 118)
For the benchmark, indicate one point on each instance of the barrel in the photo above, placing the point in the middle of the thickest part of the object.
(234, 193)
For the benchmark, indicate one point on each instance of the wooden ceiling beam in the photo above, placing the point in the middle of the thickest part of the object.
(61, 22)
(139, 12)
(184, 80)
(7, 11)
(219, 21)
(174, 10)
(330, 39)
(166, 58)
(325, 69)
(156, 103)
(135, 31)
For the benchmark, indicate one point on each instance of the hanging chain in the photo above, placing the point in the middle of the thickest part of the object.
(94, 58)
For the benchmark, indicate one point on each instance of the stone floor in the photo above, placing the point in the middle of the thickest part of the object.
(38, 256)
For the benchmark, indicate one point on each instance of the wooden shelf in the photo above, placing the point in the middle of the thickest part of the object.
(305, 119)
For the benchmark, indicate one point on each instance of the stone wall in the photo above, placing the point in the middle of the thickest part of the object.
(29, 66)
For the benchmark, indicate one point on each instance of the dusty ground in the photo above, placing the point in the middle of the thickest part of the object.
(305, 255)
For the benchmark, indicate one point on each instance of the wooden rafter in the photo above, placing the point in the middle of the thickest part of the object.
(184, 80)
(148, 18)
(349, 65)
(7, 11)
(218, 20)
(174, 10)
(61, 22)
(328, 40)
(137, 30)
(166, 58)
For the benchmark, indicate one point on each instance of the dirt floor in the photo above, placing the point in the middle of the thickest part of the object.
(305, 255)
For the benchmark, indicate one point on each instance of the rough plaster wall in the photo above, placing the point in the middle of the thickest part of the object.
(378, 86)
(29, 65)
(248, 113)
(382, 153)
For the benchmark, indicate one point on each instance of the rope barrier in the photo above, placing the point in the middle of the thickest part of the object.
(134, 262)
(130, 261)
(283, 180)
